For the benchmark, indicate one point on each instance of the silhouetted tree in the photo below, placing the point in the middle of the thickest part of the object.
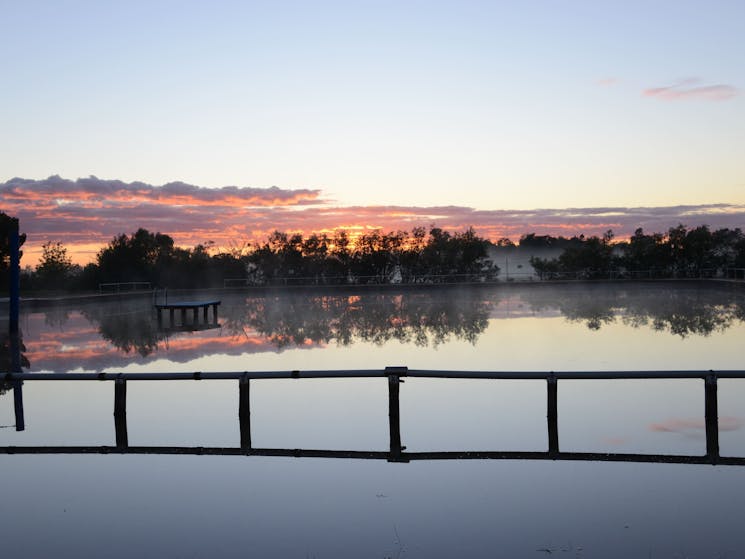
(55, 269)
(135, 258)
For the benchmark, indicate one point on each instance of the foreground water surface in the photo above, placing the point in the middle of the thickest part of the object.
(236, 506)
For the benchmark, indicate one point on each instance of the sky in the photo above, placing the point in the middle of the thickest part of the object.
(547, 116)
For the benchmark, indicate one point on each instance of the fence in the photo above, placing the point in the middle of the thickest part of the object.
(517, 277)
(394, 376)
(123, 286)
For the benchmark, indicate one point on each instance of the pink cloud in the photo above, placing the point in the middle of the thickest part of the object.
(92, 192)
(689, 89)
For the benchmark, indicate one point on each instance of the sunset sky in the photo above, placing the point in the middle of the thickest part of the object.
(554, 117)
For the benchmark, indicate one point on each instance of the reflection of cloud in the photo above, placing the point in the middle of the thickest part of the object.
(690, 89)
(693, 426)
(80, 346)
(87, 213)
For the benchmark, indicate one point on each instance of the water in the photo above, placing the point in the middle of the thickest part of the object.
(237, 506)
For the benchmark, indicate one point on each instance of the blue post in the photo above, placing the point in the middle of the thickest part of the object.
(14, 289)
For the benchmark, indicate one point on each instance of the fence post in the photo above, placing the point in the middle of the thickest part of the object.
(711, 414)
(120, 413)
(244, 411)
(394, 417)
(552, 414)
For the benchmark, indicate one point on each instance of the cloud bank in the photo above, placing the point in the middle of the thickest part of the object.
(86, 214)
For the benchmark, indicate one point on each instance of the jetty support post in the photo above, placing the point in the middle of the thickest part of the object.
(120, 413)
(552, 414)
(711, 416)
(244, 411)
(394, 375)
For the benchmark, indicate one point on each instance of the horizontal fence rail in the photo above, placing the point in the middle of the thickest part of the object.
(395, 376)
(381, 455)
(380, 373)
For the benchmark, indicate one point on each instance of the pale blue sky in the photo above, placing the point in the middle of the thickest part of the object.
(494, 105)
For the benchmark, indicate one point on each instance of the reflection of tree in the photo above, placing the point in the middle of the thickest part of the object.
(680, 311)
(6, 358)
(686, 315)
(128, 329)
(57, 316)
(420, 318)
(423, 317)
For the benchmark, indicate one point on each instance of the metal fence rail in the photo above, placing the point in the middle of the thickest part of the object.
(395, 376)
(379, 373)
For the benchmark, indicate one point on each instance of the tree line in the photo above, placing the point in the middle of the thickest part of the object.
(284, 259)
(419, 256)
(679, 253)
(372, 258)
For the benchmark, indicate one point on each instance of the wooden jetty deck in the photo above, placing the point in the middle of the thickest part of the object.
(184, 306)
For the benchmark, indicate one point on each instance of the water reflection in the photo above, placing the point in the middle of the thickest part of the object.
(97, 336)
(277, 506)
(129, 330)
(421, 319)
(679, 311)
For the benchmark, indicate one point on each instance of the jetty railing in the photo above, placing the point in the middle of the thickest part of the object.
(395, 376)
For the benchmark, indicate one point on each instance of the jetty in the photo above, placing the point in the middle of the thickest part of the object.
(184, 307)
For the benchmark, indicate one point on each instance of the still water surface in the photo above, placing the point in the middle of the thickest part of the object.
(235, 506)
